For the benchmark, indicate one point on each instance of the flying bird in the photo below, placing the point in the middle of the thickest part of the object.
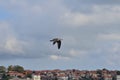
(58, 41)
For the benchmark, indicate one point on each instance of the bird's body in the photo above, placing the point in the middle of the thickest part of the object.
(58, 41)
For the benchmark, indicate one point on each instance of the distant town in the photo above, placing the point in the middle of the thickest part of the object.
(16, 72)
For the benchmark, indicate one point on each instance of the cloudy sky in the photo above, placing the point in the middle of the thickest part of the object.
(90, 30)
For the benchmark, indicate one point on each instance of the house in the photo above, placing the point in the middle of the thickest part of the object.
(20, 79)
(1, 74)
(108, 77)
(118, 77)
(36, 77)
(16, 74)
(62, 76)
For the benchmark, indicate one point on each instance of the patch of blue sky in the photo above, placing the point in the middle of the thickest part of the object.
(4, 14)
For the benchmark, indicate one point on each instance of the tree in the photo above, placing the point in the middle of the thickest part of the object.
(99, 71)
(5, 77)
(10, 68)
(29, 75)
(118, 72)
(2, 69)
(16, 68)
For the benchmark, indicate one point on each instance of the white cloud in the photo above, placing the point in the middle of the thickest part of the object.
(77, 53)
(76, 19)
(13, 45)
(36, 9)
(36, 21)
(101, 14)
(109, 52)
(112, 36)
(70, 40)
(22, 8)
(5, 29)
(116, 48)
(113, 59)
(8, 41)
(58, 57)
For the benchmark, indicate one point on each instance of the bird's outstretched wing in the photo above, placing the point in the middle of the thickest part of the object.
(59, 44)
(54, 42)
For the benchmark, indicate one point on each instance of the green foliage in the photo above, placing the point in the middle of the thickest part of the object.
(118, 72)
(99, 71)
(29, 75)
(10, 68)
(2, 69)
(104, 69)
(5, 77)
(16, 68)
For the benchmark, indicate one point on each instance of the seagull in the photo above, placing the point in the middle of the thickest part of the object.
(56, 40)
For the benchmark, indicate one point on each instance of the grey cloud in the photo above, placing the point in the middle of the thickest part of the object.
(37, 28)
(88, 2)
(85, 6)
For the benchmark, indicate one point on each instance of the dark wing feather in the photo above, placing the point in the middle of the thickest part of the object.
(59, 44)
(54, 42)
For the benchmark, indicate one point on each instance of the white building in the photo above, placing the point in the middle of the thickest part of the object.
(63, 78)
(107, 77)
(118, 77)
(36, 77)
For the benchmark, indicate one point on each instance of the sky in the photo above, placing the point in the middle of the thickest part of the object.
(89, 29)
